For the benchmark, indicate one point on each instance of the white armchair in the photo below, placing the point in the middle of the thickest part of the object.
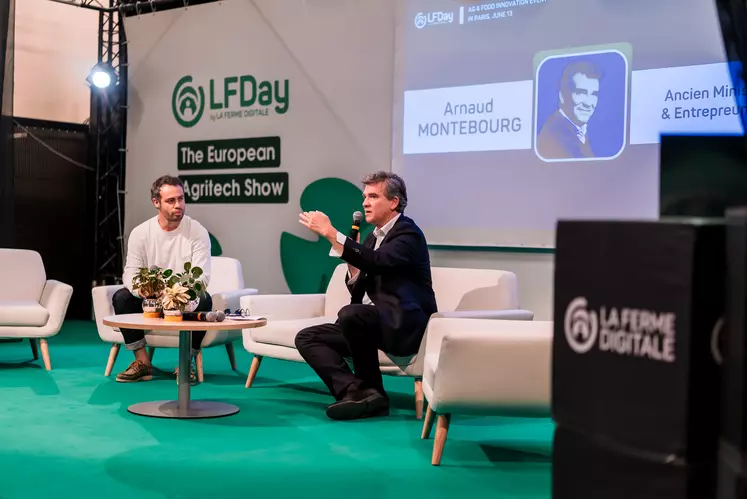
(459, 293)
(34, 307)
(485, 367)
(226, 287)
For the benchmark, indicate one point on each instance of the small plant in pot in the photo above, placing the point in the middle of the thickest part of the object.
(150, 283)
(182, 293)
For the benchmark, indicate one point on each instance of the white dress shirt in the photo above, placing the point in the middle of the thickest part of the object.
(580, 130)
(380, 234)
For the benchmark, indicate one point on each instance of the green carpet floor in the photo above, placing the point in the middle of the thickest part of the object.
(67, 433)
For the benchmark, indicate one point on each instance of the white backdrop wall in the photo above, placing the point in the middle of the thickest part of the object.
(55, 49)
(337, 58)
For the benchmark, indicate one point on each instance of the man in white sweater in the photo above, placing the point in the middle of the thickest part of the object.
(168, 240)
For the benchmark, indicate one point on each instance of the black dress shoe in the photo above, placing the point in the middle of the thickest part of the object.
(359, 404)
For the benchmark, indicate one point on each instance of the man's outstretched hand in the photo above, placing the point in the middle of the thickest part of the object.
(319, 223)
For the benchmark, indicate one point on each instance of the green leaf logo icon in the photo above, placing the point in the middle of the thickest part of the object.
(307, 266)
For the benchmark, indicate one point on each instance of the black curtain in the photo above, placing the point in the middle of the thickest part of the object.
(54, 200)
(7, 39)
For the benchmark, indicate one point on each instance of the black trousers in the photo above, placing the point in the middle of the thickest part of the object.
(356, 334)
(125, 303)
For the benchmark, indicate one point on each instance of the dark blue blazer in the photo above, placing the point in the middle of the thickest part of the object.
(557, 140)
(397, 278)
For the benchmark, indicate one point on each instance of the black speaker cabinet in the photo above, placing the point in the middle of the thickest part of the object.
(635, 375)
(591, 467)
(733, 442)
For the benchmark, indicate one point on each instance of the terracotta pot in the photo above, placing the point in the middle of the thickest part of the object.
(172, 315)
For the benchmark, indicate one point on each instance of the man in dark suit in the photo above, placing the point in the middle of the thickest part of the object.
(389, 278)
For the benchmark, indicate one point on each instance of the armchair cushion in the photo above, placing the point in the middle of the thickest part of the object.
(283, 333)
(463, 293)
(337, 295)
(25, 269)
(506, 315)
(515, 356)
(430, 366)
(22, 313)
(226, 275)
(231, 299)
(474, 289)
(285, 307)
(392, 364)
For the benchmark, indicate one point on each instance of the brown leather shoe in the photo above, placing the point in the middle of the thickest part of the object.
(137, 371)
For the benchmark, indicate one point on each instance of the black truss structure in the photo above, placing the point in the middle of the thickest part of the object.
(108, 127)
(132, 7)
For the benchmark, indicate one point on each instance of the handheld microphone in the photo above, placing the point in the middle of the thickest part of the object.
(357, 217)
(200, 316)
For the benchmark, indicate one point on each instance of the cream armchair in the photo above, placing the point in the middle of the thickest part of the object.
(226, 287)
(485, 367)
(33, 307)
(459, 293)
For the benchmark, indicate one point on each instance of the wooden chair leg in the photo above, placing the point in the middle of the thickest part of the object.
(198, 362)
(112, 358)
(419, 398)
(151, 351)
(34, 348)
(430, 417)
(231, 355)
(45, 354)
(442, 429)
(256, 361)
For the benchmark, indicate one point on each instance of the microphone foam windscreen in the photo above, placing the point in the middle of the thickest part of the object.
(220, 315)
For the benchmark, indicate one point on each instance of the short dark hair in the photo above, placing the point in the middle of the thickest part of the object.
(155, 190)
(589, 69)
(394, 186)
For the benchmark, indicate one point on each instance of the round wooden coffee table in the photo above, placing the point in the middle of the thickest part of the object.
(183, 407)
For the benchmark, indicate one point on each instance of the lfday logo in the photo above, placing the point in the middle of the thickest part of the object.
(420, 20)
(581, 326)
(187, 102)
(423, 20)
(229, 97)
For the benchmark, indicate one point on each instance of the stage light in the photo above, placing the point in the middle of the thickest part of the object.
(101, 79)
(102, 76)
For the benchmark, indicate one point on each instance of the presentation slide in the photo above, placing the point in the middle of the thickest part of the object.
(511, 115)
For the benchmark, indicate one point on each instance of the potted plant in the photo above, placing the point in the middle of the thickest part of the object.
(182, 292)
(151, 283)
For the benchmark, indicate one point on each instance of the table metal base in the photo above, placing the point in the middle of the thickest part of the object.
(198, 409)
(184, 407)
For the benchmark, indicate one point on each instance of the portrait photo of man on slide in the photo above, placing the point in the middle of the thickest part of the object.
(563, 135)
(588, 85)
